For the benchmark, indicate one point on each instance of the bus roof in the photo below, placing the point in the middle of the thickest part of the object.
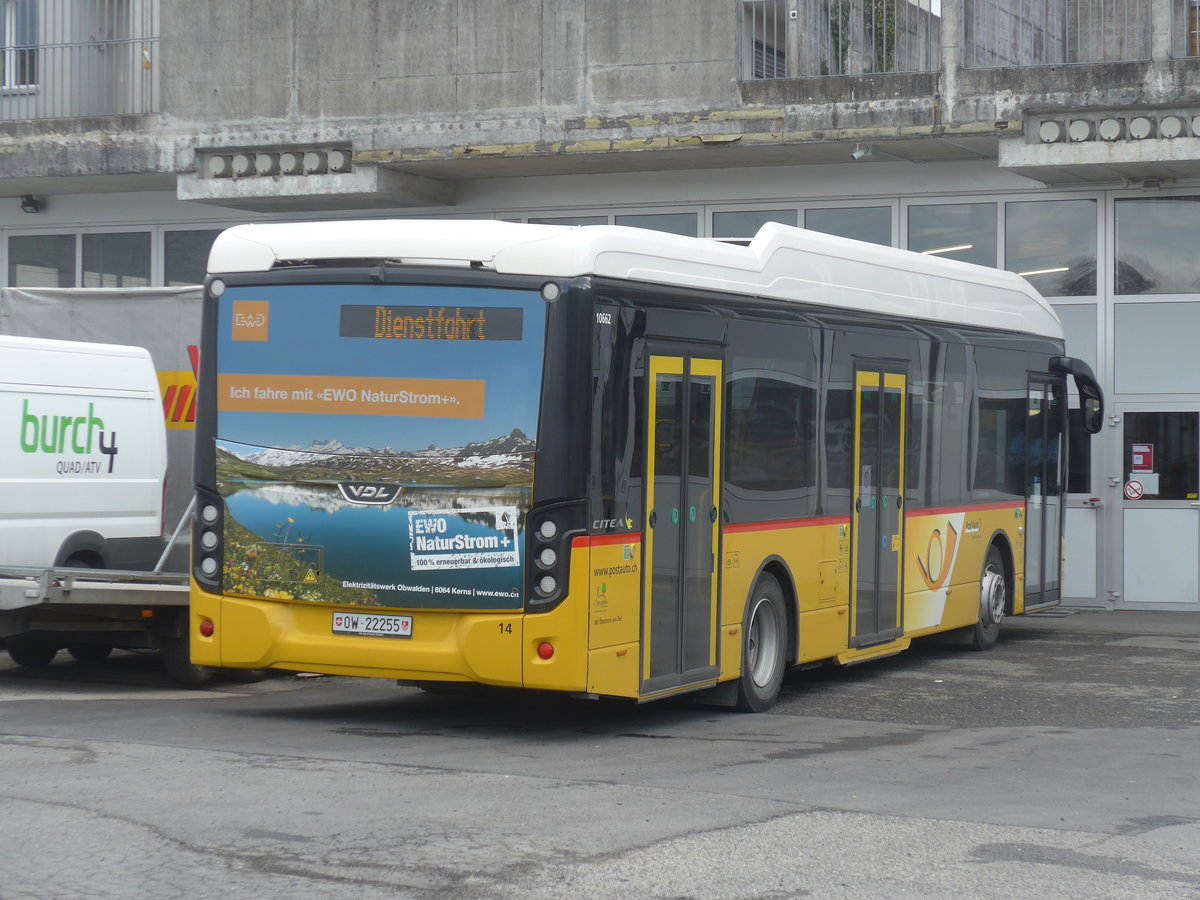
(780, 262)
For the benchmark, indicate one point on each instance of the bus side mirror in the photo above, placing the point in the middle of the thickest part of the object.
(1091, 398)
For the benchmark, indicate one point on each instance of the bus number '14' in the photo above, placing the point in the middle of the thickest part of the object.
(505, 627)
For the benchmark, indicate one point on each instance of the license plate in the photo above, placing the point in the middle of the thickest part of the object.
(372, 624)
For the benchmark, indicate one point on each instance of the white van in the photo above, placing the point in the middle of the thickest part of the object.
(83, 455)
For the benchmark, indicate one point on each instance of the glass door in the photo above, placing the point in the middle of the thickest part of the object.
(679, 621)
(1160, 517)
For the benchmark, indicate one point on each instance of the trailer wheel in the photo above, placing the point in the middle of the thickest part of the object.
(31, 652)
(89, 653)
(178, 664)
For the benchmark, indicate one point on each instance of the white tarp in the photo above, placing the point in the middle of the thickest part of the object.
(166, 321)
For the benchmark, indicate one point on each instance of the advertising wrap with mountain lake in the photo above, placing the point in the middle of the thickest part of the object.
(375, 442)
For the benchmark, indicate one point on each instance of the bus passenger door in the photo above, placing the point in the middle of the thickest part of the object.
(1044, 427)
(878, 519)
(679, 615)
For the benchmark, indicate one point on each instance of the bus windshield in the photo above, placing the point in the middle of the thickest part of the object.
(375, 442)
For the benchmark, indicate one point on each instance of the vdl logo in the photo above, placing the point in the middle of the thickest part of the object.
(369, 494)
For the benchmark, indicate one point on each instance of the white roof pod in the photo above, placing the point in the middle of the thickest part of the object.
(780, 262)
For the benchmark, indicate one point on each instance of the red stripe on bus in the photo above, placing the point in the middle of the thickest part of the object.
(743, 527)
(974, 507)
(607, 540)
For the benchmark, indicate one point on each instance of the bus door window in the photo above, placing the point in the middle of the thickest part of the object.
(681, 521)
(878, 505)
(1040, 445)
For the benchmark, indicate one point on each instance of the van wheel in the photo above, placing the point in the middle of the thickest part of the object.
(179, 666)
(31, 652)
(89, 653)
(764, 639)
(993, 601)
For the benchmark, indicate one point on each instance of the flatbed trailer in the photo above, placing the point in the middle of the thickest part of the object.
(89, 612)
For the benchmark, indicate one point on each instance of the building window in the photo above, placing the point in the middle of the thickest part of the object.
(1052, 243)
(965, 231)
(745, 223)
(1156, 245)
(862, 223)
(570, 220)
(20, 43)
(41, 260)
(672, 223)
(120, 259)
(185, 256)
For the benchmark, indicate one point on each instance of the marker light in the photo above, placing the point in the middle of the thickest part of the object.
(551, 292)
(547, 530)
(547, 585)
(217, 287)
(208, 540)
(209, 514)
(207, 628)
(547, 557)
(545, 650)
(208, 566)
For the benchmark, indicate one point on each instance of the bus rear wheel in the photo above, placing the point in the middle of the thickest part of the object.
(993, 601)
(764, 642)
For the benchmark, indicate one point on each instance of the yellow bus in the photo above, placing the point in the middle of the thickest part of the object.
(616, 462)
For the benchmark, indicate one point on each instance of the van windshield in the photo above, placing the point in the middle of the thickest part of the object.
(375, 442)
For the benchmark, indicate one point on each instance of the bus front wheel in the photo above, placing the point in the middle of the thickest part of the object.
(764, 642)
(993, 601)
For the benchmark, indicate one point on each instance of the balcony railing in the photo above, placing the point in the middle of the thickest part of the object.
(1054, 32)
(812, 38)
(839, 37)
(75, 58)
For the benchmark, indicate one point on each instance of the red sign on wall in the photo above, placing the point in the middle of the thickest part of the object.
(1143, 458)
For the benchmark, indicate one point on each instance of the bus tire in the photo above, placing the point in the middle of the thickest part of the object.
(764, 643)
(31, 652)
(993, 601)
(179, 666)
(89, 653)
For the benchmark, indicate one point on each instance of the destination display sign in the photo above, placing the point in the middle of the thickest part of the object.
(432, 323)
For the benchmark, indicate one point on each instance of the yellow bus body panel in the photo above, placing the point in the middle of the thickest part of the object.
(815, 554)
(445, 646)
(945, 556)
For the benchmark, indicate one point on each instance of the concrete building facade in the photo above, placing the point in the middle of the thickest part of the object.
(1059, 139)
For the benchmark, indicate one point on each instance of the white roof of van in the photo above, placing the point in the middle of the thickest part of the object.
(780, 262)
(85, 348)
